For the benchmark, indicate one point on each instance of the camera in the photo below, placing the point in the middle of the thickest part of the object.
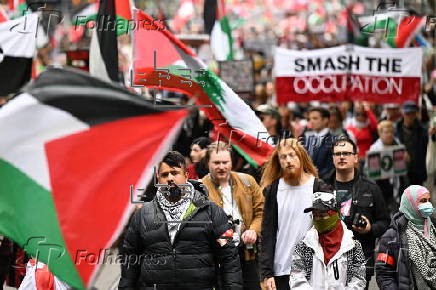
(234, 223)
(236, 227)
(358, 221)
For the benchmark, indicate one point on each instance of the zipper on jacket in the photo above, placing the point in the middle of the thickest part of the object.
(336, 269)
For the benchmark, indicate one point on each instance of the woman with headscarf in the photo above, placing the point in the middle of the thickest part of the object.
(328, 257)
(407, 251)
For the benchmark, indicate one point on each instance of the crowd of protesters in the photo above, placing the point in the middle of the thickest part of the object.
(310, 218)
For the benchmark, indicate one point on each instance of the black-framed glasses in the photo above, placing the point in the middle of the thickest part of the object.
(345, 154)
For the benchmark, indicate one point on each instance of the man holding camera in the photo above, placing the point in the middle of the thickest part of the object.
(185, 231)
(240, 197)
(363, 208)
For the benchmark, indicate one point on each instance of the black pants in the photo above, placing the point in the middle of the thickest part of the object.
(250, 275)
(282, 282)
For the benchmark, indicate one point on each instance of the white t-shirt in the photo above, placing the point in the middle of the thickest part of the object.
(293, 223)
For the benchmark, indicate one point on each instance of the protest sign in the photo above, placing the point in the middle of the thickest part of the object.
(348, 73)
(386, 163)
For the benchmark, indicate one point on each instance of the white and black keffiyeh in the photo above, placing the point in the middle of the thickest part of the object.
(422, 252)
(174, 211)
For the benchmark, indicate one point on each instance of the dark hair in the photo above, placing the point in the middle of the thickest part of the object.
(324, 112)
(344, 138)
(174, 159)
(202, 142)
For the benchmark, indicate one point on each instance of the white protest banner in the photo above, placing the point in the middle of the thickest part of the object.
(386, 163)
(379, 75)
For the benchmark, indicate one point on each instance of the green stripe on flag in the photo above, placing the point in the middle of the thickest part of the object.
(225, 26)
(246, 156)
(29, 218)
(212, 88)
(388, 26)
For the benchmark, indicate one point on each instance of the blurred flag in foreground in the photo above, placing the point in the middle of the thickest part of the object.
(70, 148)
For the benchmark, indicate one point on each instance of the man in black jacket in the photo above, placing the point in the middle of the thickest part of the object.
(289, 180)
(412, 134)
(177, 240)
(363, 208)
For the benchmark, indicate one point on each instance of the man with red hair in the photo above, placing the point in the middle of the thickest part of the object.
(289, 179)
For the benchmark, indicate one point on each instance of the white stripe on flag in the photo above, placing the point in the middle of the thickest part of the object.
(18, 37)
(25, 126)
(97, 66)
(219, 42)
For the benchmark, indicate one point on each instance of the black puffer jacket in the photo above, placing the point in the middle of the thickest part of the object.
(392, 267)
(189, 263)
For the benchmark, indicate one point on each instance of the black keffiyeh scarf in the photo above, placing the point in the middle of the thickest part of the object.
(422, 252)
(174, 210)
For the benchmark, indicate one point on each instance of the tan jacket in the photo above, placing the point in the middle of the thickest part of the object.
(247, 195)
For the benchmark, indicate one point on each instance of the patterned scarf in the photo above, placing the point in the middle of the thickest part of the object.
(422, 252)
(174, 211)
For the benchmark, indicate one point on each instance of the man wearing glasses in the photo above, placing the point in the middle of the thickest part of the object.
(363, 208)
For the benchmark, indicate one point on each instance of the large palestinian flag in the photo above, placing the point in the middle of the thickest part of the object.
(176, 67)
(17, 48)
(70, 147)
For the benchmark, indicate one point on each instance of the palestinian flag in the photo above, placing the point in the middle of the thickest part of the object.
(178, 68)
(221, 40)
(123, 14)
(17, 48)
(103, 51)
(397, 35)
(354, 33)
(70, 148)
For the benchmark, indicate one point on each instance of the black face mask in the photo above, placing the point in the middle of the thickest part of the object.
(174, 192)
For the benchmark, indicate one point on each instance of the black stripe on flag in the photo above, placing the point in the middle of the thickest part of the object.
(107, 37)
(89, 99)
(14, 73)
(209, 15)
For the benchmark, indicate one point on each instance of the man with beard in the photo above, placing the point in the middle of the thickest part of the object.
(289, 179)
(363, 208)
(180, 238)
